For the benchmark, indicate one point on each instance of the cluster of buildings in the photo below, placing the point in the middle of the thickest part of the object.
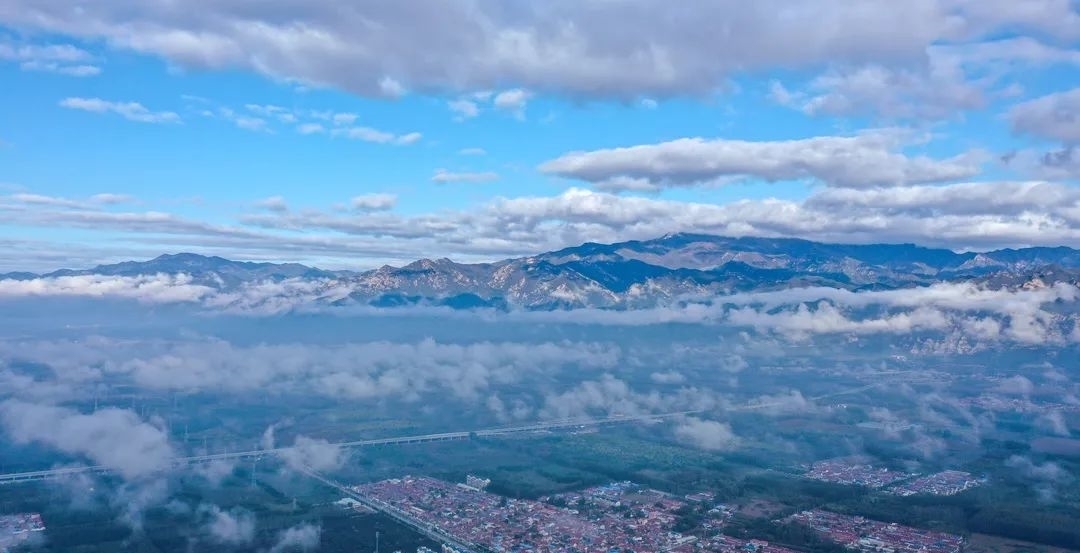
(844, 471)
(624, 517)
(949, 482)
(445, 549)
(617, 518)
(728, 544)
(17, 529)
(871, 536)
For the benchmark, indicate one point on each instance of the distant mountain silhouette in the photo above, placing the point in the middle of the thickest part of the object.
(631, 274)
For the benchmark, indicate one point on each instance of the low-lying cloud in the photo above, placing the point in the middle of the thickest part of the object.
(159, 288)
(234, 527)
(1018, 315)
(113, 438)
(313, 454)
(706, 434)
(303, 537)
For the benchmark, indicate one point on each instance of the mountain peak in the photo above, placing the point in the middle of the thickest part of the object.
(638, 273)
(188, 257)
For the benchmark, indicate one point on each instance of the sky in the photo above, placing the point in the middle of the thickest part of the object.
(354, 134)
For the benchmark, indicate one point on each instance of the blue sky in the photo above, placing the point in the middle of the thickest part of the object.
(284, 133)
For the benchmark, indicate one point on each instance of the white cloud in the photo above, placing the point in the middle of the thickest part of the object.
(967, 310)
(1056, 164)
(892, 93)
(270, 111)
(965, 215)
(827, 319)
(251, 124)
(866, 160)
(234, 528)
(132, 111)
(562, 46)
(368, 134)
(112, 199)
(1016, 385)
(1003, 198)
(93, 202)
(954, 78)
(359, 372)
(274, 203)
(781, 404)
(256, 124)
(472, 152)
(410, 138)
(1054, 116)
(343, 118)
(1048, 471)
(310, 128)
(513, 100)
(62, 59)
(1053, 422)
(442, 176)
(49, 52)
(304, 537)
(610, 396)
(268, 440)
(668, 377)
(40, 199)
(54, 67)
(146, 288)
(1004, 54)
(706, 434)
(465, 109)
(215, 472)
(374, 202)
(314, 454)
(111, 437)
(391, 87)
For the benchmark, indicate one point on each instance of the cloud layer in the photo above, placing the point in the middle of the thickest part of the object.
(962, 215)
(868, 160)
(564, 46)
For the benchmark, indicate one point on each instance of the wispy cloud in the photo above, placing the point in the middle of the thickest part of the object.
(977, 215)
(246, 122)
(443, 176)
(513, 100)
(272, 111)
(132, 111)
(369, 134)
(62, 59)
(866, 160)
(310, 128)
(82, 70)
(374, 202)
(465, 109)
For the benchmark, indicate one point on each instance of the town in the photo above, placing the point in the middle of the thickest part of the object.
(844, 471)
(854, 473)
(949, 482)
(17, 529)
(625, 517)
(871, 536)
(618, 517)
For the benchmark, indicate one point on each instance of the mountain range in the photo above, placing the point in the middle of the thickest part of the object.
(627, 274)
